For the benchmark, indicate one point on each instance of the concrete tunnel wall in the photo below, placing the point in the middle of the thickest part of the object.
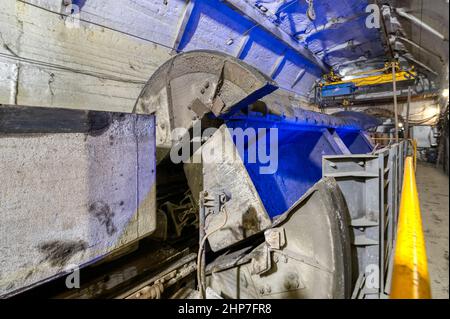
(103, 62)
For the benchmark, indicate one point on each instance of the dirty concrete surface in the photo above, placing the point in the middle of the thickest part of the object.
(432, 184)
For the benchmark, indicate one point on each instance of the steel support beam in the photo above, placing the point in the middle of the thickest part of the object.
(242, 45)
(407, 113)
(298, 78)
(248, 11)
(189, 7)
(414, 44)
(276, 67)
(420, 64)
(402, 12)
(386, 11)
(394, 91)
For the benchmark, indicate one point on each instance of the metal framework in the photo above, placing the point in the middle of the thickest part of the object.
(371, 185)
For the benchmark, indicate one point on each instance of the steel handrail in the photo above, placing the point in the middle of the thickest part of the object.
(410, 278)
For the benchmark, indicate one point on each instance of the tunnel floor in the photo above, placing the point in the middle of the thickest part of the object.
(432, 184)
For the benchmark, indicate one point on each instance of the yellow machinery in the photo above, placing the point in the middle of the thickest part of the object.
(373, 77)
(334, 85)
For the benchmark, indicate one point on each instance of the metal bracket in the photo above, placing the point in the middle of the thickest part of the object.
(261, 261)
(311, 13)
(213, 203)
(275, 238)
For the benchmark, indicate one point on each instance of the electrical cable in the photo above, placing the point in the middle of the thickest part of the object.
(200, 280)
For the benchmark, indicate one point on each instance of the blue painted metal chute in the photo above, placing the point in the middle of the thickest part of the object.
(301, 144)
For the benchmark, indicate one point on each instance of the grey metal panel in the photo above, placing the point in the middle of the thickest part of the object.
(358, 178)
(335, 141)
(72, 198)
(371, 185)
(222, 171)
(309, 259)
(195, 83)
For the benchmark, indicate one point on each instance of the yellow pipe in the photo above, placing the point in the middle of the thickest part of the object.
(410, 279)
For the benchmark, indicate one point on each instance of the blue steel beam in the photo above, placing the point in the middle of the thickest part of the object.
(247, 10)
(184, 20)
(300, 117)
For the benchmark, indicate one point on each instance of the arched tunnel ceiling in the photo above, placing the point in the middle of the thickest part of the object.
(340, 37)
(337, 35)
(276, 36)
(434, 13)
(281, 40)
